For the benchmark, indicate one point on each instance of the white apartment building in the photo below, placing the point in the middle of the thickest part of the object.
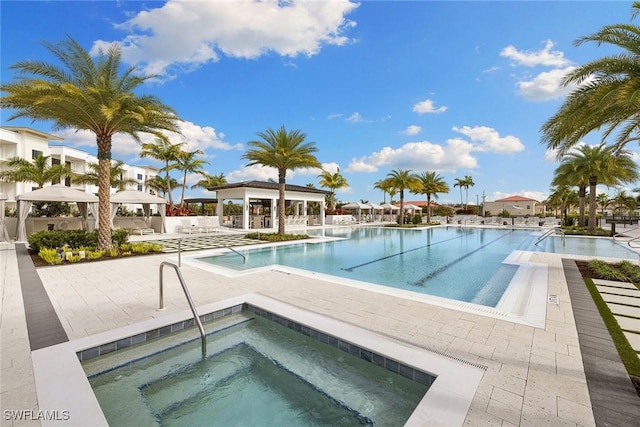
(28, 143)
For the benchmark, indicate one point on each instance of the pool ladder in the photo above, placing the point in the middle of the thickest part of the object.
(196, 318)
(549, 233)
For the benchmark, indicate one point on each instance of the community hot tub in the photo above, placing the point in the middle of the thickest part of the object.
(294, 365)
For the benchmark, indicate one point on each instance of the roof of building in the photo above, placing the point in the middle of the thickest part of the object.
(22, 129)
(517, 199)
(270, 186)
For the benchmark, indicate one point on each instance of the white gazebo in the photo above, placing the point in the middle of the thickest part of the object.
(54, 193)
(4, 235)
(266, 194)
(134, 197)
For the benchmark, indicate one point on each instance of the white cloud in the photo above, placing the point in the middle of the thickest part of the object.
(544, 56)
(412, 130)
(419, 156)
(488, 139)
(331, 167)
(355, 118)
(186, 34)
(255, 172)
(427, 106)
(545, 86)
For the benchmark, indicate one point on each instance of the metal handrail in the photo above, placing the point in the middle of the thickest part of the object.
(244, 259)
(553, 231)
(196, 318)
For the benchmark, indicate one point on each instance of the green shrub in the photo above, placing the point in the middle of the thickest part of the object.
(72, 238)
(113, 252)
(50, 256)
(606, 271)
(93, 255)
(631, 270)
(417, 219)
(275, 237)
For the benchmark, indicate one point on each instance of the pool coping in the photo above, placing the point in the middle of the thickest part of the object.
(62, 383)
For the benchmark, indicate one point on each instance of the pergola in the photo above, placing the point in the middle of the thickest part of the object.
(54, 193)
(134, 197)
(266, 194)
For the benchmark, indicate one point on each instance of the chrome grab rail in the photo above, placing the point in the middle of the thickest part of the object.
(552, 231)
(196, 318)
(244, 260)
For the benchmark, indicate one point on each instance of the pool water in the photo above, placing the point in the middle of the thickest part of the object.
(464, 264)
(256, 370)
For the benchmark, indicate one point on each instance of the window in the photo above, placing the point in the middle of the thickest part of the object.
(139, 187)
(139, 177)
(35, 153)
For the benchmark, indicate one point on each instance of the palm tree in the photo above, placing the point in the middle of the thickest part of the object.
(459, 183)
(210, 181)
(570, 173)
(92, 95)
(282, 150)
(402, 179)
(161, 185)
(332, 181)
(605, 96)
(563, 197)
(163, 150)
(624, 201)
(39, 172)
(604, 201)
(431, 184)
(117, 177)
(600, 165)
(188, 163)
(384, 186)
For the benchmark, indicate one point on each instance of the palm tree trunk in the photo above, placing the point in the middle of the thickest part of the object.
(168, 178)
(401, 207)
(104, 190)
(581, 198)
(429, 208)
(184, 185)
(281, 185)
(593, 181)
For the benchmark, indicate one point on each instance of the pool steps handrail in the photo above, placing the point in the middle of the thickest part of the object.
(554, 230)
(244, 259)
(196, 318)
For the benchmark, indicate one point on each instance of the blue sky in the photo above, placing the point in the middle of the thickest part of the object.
(461, 88)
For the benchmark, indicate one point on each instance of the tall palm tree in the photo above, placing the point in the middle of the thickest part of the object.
(39, 172)
(332, 181)
(600, 165)
(88, 94)
(160, 184)
(187, 162)
(384, 186)
(162, 149)
(284, 151)
(460, 183)
(623, 201)
(605, 96)
(570, 173)
(402, 179)
(563, 197)
(117, 178)
(431, 184)
(604, 201)
(210, 181)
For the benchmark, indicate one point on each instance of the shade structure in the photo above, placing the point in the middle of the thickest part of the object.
(54, 193)
(356, 205)
(4, 235)
(412, 208)
(388, 206)
(132, 197)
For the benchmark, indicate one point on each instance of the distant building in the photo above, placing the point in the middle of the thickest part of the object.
(28, 143)
(515, 205)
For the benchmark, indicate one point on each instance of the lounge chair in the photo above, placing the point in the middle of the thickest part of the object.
(208, 225)
(188, 228)
(141, 227)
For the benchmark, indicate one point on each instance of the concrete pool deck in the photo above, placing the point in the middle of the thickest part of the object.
(534, 376)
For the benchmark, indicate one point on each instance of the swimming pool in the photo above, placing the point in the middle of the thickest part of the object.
(462, 264)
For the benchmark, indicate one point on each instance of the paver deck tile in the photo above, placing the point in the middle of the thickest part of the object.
(625, 310)
(634, 340)
(619, 291)
(628, 323)
(620, 299)
(615, 284)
